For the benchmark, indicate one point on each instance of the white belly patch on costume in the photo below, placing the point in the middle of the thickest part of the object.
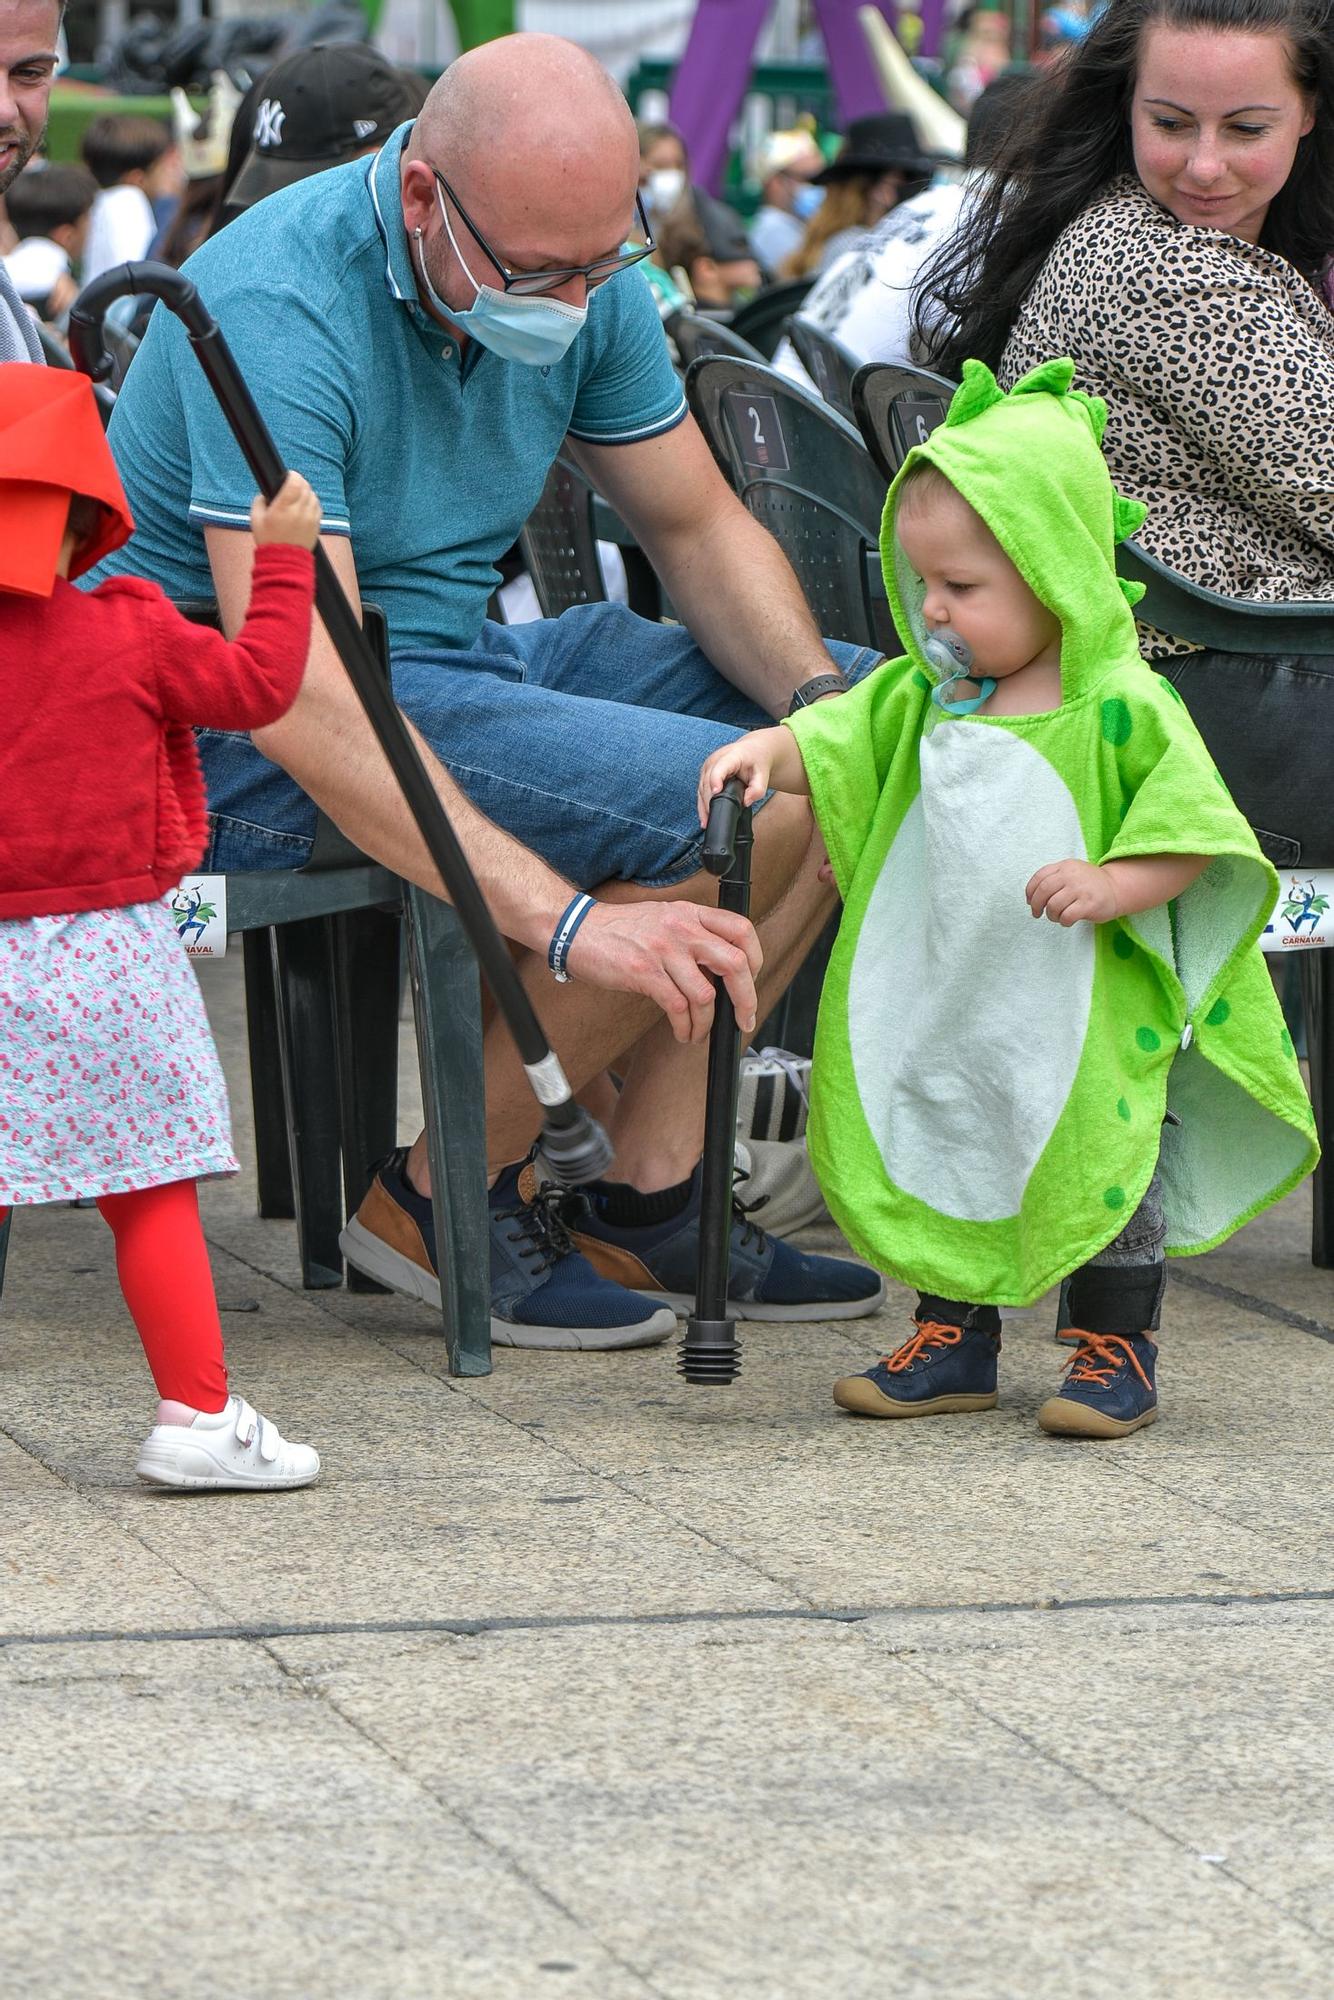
(966, 1016)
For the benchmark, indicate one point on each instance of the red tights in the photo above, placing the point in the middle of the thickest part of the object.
(162, 1263)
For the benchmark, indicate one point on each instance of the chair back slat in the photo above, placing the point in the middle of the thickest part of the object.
(895, 407)
(763, 320)
(830, 365)
(696, 334)
(559, 544)
(805, 473)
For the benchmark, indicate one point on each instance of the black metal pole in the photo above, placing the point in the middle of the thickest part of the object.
(573, 1142)
(710, 1349)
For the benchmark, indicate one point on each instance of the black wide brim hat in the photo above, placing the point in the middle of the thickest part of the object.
(884, 143)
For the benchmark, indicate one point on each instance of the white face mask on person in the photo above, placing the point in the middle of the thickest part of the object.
(664, 189)
(533, 331)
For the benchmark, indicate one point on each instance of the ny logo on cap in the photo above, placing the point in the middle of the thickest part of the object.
(269, 121)
(363, 127)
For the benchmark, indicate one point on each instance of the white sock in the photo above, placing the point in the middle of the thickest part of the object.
(184, 1414)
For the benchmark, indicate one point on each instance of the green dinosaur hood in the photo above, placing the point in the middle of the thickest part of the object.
(1031, 465)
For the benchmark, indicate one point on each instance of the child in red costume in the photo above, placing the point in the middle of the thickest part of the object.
(110, 1085)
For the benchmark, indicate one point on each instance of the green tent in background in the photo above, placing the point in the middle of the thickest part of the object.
(477, 20)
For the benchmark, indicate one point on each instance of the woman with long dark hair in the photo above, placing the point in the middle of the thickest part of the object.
(1165, 215)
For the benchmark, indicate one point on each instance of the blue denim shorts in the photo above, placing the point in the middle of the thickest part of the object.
(581, 736)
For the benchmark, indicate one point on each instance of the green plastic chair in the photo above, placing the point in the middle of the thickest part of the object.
(804, 472)
(559, 547)
(895, 407)
(763, 320)
(696, 334)
(830, 365)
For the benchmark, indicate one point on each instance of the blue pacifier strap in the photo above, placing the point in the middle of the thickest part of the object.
(952, 656)
(986, 684)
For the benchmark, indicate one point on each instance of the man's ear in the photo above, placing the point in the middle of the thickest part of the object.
(418, 194)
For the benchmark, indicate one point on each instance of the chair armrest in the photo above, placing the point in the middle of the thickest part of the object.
(1224, 624)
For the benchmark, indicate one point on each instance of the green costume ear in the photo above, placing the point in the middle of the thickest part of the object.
(1127, 515)
(1132, 592)
(978, 391)
(1049, 378)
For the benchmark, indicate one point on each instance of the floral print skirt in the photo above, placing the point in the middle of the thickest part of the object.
(109, 1079)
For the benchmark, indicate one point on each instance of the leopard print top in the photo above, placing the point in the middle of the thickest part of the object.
(1216, 361)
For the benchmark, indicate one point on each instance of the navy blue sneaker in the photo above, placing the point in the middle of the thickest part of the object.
(767, 1279)
(1109, 1388)
(938, 1370)
(543, 1293)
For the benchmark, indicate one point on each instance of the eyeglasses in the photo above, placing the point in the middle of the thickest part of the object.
(532, 284)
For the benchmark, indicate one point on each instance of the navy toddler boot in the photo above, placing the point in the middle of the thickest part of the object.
(948, 1364)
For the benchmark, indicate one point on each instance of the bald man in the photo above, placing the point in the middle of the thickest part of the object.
(422, 332)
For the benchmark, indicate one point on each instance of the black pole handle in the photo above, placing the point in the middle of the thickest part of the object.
(710, 1351)
(720, 832)
(575, 1144)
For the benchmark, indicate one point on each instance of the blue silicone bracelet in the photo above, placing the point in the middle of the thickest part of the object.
(564, 935)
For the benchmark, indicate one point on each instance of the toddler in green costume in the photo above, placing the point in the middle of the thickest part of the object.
(1048, 1044)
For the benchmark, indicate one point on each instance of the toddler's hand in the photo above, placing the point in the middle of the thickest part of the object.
(750, 757)
(293, 514)
(1072, 892)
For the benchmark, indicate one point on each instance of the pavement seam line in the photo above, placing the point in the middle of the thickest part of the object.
(1283, 1315)
(1054, 1759)
(507, 1858)
(477, 1628)
(1126, 1470)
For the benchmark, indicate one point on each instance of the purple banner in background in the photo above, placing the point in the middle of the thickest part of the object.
(711, 81)
(715, 70)
(856, 85)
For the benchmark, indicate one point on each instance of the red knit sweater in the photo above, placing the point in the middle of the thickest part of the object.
(101, 793)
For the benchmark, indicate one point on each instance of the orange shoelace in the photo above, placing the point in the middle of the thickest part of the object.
(1098, 1357)
(926, 1333)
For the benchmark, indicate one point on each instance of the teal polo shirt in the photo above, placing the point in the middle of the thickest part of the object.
(431, 462)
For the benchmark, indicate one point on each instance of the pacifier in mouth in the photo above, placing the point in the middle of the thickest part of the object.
(952, 657)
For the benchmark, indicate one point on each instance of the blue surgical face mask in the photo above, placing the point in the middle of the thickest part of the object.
(806, 200)
(533, 331)
(952, 657)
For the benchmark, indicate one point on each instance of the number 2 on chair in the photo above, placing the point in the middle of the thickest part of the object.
(754, 416)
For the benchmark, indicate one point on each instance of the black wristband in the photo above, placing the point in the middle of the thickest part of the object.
(810, 691)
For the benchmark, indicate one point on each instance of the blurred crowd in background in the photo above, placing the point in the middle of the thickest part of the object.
(813, 207)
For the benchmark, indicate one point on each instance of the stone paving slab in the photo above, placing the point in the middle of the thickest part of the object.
(233, 1833)
(785, 1810)
(575, 1680)
(1208, 1723)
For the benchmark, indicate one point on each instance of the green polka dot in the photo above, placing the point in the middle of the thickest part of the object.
(1114, 1197)
(1148, 1040)
(1123, 1109)
(1123, 946)
(921, 680)
(1286, 1040)
(1217, 1014)
(1116, 722)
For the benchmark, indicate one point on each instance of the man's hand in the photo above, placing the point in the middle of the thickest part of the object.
(1073, 892)
(666, 952)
